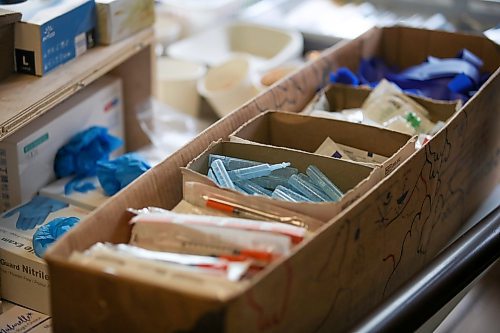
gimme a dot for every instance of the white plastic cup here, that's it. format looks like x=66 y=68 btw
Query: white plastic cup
x=177 y=80
x=228 y=86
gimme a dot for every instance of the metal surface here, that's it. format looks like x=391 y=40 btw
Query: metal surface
x=450 y=272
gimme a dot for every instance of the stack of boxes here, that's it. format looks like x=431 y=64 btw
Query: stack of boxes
x=27 y=159
x=37 y=37
x=52 y=33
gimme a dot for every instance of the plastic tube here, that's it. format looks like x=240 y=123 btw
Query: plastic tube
x=211 y=175
x=297 y=197
x=270 y=182
x=319 y=179
x=301 y=184
x=233 y=163
x=280 y=195
x=221 y=175
x=256 y=171
x=252 y=188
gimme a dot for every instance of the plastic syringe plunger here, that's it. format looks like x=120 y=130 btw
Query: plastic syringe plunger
x=256 y=171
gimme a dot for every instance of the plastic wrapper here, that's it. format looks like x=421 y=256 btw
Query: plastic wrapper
x=167 y=129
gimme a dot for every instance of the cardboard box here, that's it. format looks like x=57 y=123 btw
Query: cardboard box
x=306 y=133
x=52 y=33
x=27 y=156
x=89 y=200
x=342 y=96
x=7 y=20
x=18 y=319
x=355 y=261
x=118 y=19
x=353 y=179
x=25 y=278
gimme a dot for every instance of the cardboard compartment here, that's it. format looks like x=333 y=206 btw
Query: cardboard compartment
x=7 y=20
x=306 y=133
x=355 y=261
x=342 y=96
x=352 y=178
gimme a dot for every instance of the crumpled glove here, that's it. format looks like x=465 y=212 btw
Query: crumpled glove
x=115 y=175
x=80 y=155
x=50 y=232
x=35 y=212
x=78 y=184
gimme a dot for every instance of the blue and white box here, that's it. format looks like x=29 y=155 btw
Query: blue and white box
x=27 y=156
x=24 y=276
x=89 y=199
x=52 y=32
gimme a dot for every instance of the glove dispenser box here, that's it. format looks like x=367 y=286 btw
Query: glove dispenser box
x=27 y=156
x=24 y=276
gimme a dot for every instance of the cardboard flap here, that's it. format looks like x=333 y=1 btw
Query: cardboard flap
x=404 y=46
x=8 y=17
x=307 y=133
x=343 y=96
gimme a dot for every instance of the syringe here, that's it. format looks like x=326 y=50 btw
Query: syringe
x=256 y=171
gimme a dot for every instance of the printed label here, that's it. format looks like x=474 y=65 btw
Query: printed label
x=362 y=155
x=331 y=149
x=35 y=143
x=20 y=320
x=4 y=182
x=80 y=44
x=25 y=61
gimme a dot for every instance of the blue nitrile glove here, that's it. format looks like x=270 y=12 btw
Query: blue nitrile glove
x=344 y=76
x=50 y=232
x=444 y=79
x=79 y=185
x=35 y=211
x=80 y=155
x=115 y=175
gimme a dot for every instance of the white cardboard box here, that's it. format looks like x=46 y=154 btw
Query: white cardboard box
x=24 y=276
x=118 y=19
x=18 y=319
x=88 y=200
x=27 y=156
x=51 y=33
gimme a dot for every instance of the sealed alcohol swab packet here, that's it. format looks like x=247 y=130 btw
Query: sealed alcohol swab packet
x=331 y=149
x=387 y=102
x=337 y=150
x=210 y=240
x=113 y=260
x=296 y=234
